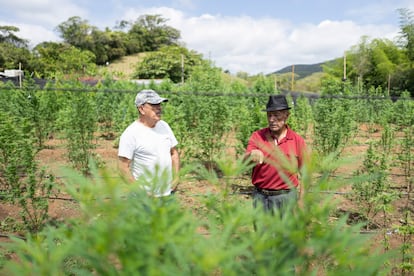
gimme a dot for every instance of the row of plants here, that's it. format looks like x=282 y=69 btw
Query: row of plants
x=204 y=123
x=121 y=231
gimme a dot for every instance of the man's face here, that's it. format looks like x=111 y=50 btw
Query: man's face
x=151 y=111
x=277 y=119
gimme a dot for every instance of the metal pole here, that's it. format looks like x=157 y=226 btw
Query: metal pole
x=182 y=69
x=344 y=78
x=20 y=74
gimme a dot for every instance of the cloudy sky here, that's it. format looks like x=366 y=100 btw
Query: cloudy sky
x=253 y=36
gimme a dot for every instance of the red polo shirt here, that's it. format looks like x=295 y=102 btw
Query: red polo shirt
x=272 y=174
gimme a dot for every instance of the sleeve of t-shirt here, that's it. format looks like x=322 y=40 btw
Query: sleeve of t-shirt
x=126 y=145
x=173 y=139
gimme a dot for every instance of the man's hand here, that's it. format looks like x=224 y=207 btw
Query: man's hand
x=175 y=183
x=257 y=156
x=123 y=166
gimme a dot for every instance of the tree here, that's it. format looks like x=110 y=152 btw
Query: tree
x=148 y=33
x=13 y=49
x=152 y=33
x=173 y=62
x=387 y=59
x=76 y=31
x=11 y=57
x=375 y=63
x=407 y=41
x=108 y=45
x=7 y=36
x=359 y=56
x=407 y=32
x=52 y=58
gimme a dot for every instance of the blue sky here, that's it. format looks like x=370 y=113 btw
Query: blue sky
x=237 y=35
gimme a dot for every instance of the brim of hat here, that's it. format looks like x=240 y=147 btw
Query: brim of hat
x=158 y=101
x=275 y=109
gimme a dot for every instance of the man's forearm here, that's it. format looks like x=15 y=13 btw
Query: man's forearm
x=123 y=165
x=175 y=158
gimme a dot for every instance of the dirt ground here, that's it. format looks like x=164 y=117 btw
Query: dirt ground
x=62 y=207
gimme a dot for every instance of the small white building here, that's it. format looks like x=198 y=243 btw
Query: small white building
x=147 y=81
x=12 y=73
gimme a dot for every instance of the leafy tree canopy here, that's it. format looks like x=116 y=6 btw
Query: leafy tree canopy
x=53 y=58
x=407 y=32
x=147 y=33
x=172 y=62
x=375 y=63
x=13 y=49
x=7 y=36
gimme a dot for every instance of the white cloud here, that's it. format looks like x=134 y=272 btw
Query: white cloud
x=266 y=45
x=243 y=43
x=34 y=33
x=44 y=12
x=329 y=39
x=37 y=19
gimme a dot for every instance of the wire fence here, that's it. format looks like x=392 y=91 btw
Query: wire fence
x=294 y=94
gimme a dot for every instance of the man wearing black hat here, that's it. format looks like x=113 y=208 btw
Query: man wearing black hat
x=278 y=154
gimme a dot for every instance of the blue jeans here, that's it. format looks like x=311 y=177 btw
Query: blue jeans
x=276 y=202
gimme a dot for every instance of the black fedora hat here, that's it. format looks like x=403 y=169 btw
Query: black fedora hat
x=276 y=102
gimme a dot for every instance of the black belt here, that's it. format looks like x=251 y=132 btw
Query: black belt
x=272 y=192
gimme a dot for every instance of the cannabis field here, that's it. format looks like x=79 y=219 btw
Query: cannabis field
x=65 y=210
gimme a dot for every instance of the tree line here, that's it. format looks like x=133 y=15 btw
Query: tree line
x=84 y=46
x=371 y=63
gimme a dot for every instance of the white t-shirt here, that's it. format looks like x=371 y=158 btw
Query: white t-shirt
x=150 y=152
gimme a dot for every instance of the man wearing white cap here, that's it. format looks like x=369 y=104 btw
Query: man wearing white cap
x=147 y=148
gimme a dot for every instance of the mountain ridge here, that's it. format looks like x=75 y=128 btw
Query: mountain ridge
x=303 y=70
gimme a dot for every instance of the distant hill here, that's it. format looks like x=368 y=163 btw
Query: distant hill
x=303 y=70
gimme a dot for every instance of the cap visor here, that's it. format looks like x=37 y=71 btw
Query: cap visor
x=158 y=101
